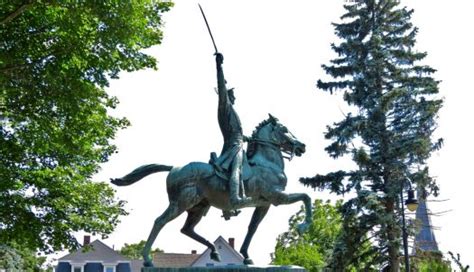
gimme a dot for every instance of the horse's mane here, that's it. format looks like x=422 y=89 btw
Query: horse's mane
x=251 y=146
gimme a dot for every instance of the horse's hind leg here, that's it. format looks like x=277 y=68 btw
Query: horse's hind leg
x=170 y=213
x=257 y=217
x=195 y=215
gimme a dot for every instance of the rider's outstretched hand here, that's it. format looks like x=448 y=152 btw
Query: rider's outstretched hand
x=219 y=58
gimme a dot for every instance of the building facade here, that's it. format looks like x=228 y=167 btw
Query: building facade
x=98 y=257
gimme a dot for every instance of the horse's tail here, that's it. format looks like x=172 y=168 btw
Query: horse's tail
x=140 y=173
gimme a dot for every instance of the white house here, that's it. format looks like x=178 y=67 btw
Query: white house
x=229 y=256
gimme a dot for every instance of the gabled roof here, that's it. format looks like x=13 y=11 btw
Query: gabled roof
x=174 y=260
x=223 y=247
x=425 y=239
x=98 y=252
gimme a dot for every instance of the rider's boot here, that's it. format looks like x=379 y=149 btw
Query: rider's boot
x=235 y=199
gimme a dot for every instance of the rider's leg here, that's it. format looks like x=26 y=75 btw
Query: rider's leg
x=235 y=180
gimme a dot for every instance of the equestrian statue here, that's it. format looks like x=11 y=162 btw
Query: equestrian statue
x=236 y=179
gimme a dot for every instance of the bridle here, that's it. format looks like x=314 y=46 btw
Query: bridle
x=273 y=144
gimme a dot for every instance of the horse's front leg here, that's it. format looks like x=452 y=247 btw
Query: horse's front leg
x=278 y=198
x=257 y=217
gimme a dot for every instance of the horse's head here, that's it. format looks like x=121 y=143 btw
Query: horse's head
x=272 y=132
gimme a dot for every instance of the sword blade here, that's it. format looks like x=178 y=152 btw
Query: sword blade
x=208 y=28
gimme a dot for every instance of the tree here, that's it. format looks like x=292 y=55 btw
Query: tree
x=10 y=260
x=313 y=249
x=21 y=259
x=56 y=58
x=429 y=261
x=134 y=251
x=389 y=131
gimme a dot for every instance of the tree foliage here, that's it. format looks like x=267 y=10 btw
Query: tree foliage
x=17 y=258
x=389 y=132
x=313 y=250
x=134 y=251
x=429 y=262
x=10 y=260
x=56 y=58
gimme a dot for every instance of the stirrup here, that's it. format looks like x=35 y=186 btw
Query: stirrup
x=228 y=214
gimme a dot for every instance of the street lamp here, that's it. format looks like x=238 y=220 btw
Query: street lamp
x=411 y=202
x=412 y=205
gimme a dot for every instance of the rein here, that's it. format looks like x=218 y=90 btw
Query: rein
x=273 y=145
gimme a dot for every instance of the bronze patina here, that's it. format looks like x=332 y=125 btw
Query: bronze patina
x=236 y=179
x=197 y=186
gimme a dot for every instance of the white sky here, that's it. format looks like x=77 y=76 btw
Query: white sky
x=273 y=51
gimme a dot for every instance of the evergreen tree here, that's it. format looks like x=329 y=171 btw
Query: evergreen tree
x=388 y=135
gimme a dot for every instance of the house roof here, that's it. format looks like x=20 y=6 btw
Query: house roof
x=161 y=259
x=98 y=252
x=220 y=242
x=175 y=260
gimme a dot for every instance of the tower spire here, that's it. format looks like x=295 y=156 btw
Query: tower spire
x=425 y=239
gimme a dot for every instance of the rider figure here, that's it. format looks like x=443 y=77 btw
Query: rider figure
x=232 y=153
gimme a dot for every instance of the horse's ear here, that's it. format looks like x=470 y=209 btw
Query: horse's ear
x=272 y=118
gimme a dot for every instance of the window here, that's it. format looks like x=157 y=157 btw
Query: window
x=77 y=268
x=209 y=264
x=109 y=268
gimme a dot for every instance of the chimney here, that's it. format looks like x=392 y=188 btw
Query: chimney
x=87 y=240
x=193 y=251
x=232 y=242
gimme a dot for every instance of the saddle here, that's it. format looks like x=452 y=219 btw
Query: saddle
x=224 y=174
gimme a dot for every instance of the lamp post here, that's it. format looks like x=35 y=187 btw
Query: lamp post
x=412 y=205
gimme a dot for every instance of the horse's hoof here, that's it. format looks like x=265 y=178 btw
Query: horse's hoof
x=148 y=264
x=216 y=256
x=248 y=261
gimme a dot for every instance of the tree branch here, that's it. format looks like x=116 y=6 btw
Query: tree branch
x=12 y=68
x=17 y=12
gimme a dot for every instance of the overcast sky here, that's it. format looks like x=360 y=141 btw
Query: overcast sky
x=273 y=54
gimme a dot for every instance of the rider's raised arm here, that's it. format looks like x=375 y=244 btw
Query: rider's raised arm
x=220 y=79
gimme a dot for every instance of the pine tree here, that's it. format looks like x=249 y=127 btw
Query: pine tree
x=389 y=134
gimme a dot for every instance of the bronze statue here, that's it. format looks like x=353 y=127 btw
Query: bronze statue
x=232 y=154
x=233 y=181
x=196 y=186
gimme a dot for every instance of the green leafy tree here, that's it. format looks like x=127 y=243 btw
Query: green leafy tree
x=134 y=251
x=428 y=261
x=10 y=260
x=389 y=131
x=313 y=249
x=21 y=259
x=56 y=58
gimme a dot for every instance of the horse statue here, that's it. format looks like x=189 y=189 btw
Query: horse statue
x=197 y=186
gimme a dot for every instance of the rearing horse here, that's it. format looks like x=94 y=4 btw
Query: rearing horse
x=196 y=186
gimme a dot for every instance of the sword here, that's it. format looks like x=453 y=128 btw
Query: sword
x=208 y=28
